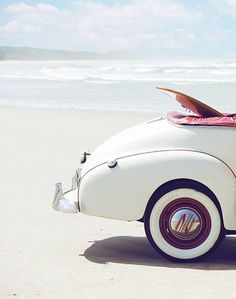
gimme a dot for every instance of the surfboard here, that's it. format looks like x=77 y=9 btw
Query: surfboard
x=194 y=105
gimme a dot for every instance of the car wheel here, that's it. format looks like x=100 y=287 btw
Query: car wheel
x=183 y=224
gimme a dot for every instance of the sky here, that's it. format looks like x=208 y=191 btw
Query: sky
x=184 y=28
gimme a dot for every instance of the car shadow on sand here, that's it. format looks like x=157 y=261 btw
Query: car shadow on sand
x=138 y=251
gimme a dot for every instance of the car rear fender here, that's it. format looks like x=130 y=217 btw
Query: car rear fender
x=124 y=191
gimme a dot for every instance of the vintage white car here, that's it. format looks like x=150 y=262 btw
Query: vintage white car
x=175 y=173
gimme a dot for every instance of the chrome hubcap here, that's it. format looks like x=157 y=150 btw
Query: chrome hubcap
x=185 y=223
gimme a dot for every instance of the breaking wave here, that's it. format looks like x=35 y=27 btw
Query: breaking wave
x=108 y=72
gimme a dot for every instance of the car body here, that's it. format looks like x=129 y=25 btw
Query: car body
x=177 y=174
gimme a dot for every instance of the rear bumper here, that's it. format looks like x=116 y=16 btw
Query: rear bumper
x=68 y=201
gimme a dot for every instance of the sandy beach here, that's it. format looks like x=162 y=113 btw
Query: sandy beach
x=47 y=254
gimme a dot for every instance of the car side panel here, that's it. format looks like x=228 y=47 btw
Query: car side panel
x=124 y=191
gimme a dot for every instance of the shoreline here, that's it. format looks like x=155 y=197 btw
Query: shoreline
x=80 y=110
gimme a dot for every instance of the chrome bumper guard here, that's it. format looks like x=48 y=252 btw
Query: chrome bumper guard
x=67 y=201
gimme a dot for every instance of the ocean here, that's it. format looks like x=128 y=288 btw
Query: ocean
x=121 y=85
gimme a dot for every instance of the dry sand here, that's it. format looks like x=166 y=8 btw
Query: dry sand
x=48 y=254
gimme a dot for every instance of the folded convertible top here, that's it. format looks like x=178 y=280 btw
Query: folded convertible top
x=227 y=120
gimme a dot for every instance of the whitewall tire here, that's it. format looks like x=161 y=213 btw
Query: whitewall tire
x=183 y=224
